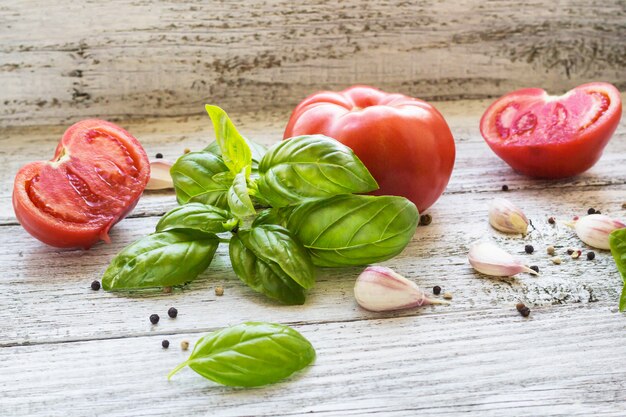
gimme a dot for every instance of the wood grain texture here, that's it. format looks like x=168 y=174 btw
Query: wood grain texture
x=64 y=60
x=561 y=362
x=66 y=350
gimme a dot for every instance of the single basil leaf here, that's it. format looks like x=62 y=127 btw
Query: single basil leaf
x=260 y=276
x=201 y=177
x=257 y=150
x=617 y=242
x=239 y=200
x=197 y=216
x=351 y=230
x=234 y=148
x=250 y=354
x=161 y=259
x=277 y=216
x=276 y=246
x=307 y=168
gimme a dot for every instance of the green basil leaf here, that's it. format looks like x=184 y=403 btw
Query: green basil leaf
x=234 y=148
x=270 y=261
x=277 y=216
x=201 y=177
x=197 y=216
x=238 y=198
x=257 y=150
x=307 y=168
x=617 y=242
x=351 y=230
x=161 y=259
x=250 y=354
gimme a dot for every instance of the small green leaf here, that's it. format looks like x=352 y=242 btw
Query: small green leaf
x=201 y=177
x=352 y=230
x=277 y=216
x=238 y=198
x=161 y=259
x=307 y=168
x=257 y=150
x=250 y=354
x=234 y=149
x=197 y=216
x=617 y=242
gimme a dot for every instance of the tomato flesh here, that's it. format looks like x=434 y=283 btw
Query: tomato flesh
x=552 y=137
x=95 y=178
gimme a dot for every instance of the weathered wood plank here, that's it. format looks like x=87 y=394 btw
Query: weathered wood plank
x=477 y=169
x=561 y=361
x=135 y=58
x=45 y=295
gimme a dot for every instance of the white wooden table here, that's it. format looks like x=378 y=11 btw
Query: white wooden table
x=68 y=350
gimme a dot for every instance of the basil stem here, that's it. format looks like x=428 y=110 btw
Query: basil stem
x=617 y=242
x=161 y=259
x=351 y=230
x=307 y=168
x=197 y=216
x=249 y=354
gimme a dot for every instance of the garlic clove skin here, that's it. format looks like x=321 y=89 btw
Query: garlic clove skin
x=595 y=229
x=489 y=259
x=507 y=217
x=379 y=288
x=160 y=178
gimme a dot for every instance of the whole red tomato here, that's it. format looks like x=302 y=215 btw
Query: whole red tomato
x=552 y=136
x=404 y=142
x=95 y=178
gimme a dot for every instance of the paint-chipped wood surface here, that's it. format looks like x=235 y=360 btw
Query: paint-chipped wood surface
x=117 y=59
x=66 y=350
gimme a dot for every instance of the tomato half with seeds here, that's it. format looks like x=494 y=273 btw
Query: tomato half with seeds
x=95 y=179
x=547 y=136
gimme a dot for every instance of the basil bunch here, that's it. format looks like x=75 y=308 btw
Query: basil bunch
x=288 y=209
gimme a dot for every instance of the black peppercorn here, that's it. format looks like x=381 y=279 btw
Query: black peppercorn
x=525 y=312
x=520 y=306
x=95 y=285
x=159 y=155
x=505 y=187
x=551 y=220
x=591 y=255
x=154 y=318
x=529 y=248
x=172 y=312
x=570 y=251
x=165 y=344
x=598 y=212
x=535 y=268
x=425 y=219
x=436 y=290
x=591 y=210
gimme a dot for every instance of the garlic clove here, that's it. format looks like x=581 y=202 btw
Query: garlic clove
x=595 y=229
x=379 y=288
x=160 y=178
x=507 y=217
x=489 y=259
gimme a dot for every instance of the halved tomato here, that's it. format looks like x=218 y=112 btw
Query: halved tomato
x=96 y=177
x=552 y=136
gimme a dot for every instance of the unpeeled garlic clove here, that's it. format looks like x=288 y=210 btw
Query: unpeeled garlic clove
x=489 y=259
x=160 y=178
x=379 y=288
x=595 y=229
x=507 y=217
